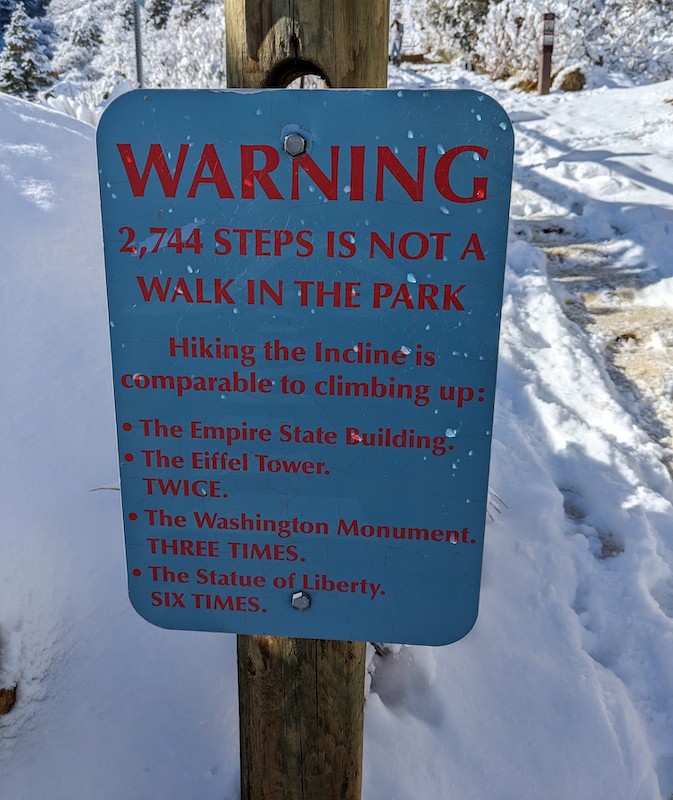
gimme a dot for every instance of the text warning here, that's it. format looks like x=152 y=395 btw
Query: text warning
x=304 y=291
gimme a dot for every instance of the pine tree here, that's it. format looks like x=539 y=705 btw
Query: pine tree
x=6 y=9
x=115 y=59
x=35 y=8
x=186 y=54
x=23 y=65
x=456 y=25
x=189 y=10
x=76 y=46
x=509 y=40
x=159 y=11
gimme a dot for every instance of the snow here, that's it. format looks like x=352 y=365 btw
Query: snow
x=564 y=688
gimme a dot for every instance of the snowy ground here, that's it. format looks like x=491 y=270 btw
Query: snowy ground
x=564 y=689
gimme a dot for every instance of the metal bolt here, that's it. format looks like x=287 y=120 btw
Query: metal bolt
x=294 y=144
x=301 y=601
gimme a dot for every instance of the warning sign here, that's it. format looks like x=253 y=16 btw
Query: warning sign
x=304 y=291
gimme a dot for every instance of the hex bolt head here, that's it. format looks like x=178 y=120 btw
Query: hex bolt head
x=294 y=144
x=301 y=601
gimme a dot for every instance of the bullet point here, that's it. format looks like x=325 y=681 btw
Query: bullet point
x=128 y=457
x=127 y=426
x=137 y=573
x=133 y=516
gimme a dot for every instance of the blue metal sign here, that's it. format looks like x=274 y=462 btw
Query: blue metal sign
x=304 y=291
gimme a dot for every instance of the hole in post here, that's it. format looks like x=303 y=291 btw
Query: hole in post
x=296 y=73
x=308 y=82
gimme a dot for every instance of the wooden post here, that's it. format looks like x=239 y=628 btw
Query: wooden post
x=301 y=701
x=301 y=706
x=272 y=42
x=546 y=49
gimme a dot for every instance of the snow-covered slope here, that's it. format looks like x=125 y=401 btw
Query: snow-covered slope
x=564 y=689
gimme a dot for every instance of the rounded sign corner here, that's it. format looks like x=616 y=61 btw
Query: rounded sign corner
x=142 y=611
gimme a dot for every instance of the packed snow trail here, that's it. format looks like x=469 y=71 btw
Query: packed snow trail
x=610 y=495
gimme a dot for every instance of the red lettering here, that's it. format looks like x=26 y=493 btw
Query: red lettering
x=443 y=175
x=182 y=290
x=386 y=159
x=155 y=158
x=210 y=159
x=304 y=242
x=376 y=240
x=328 y=186
x=426 y=296
x=221 y=240
x=215 y=602
x=184 y=547
x=249 y=174
x=169 y=599
x=473 y=246
x=258 y=162
x=402 y=296
x=381 y=292
x=422 y=249
x=281 y=238
x=262 y=241
x=270 y=552
x=155 y=287
x=357 y=172
x=451 y=298
x=183 y=487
